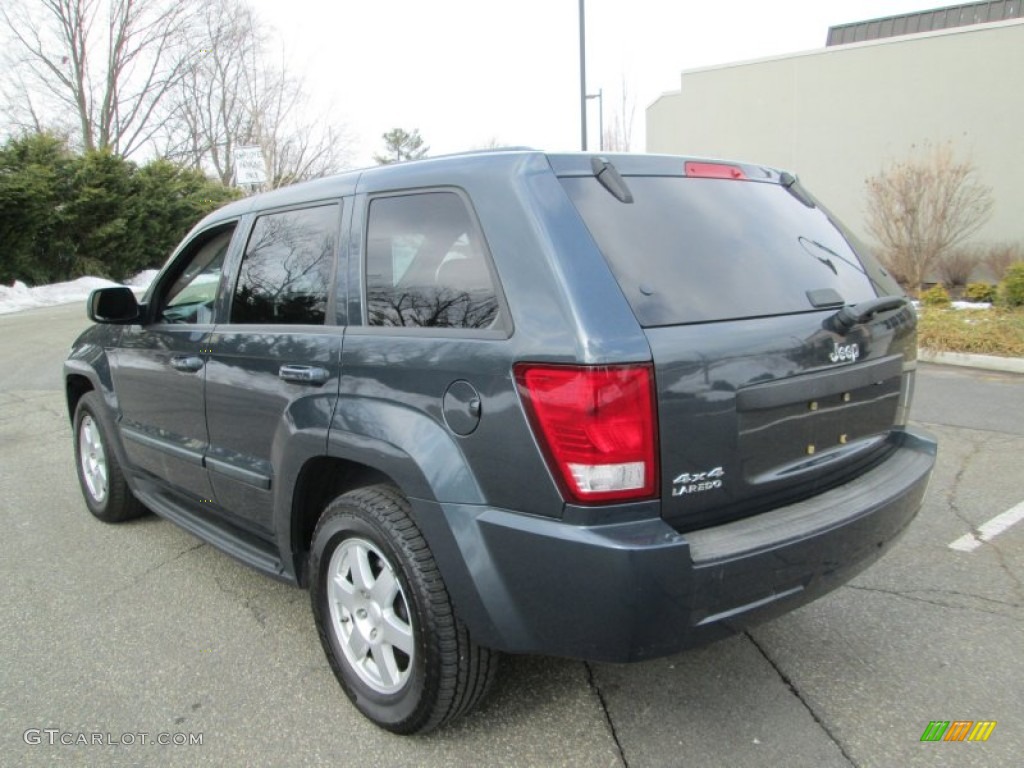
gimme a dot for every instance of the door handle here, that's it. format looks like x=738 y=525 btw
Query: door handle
x=304 y=374
x=186 y=363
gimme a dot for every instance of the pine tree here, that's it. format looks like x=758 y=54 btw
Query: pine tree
x=401 y=145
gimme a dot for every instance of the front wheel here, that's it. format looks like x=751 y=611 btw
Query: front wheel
x=385 y=619
x=103 y=483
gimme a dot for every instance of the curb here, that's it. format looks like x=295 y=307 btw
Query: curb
x=985 y=362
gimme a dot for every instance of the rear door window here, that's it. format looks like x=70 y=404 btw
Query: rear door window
x=691 y=250
x=287 y=267
x=426 y=264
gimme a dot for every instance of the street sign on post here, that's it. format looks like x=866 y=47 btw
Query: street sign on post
x=249 y=167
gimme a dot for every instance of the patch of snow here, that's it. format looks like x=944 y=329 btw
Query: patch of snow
x=142 y=280
x=14 y=298
x=960 y=305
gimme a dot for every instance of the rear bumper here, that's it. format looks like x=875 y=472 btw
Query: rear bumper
x=638 y=590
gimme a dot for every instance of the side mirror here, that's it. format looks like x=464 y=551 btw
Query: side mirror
x=116 y=305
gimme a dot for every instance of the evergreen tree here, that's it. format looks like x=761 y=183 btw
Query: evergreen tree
x=401 y=145
x=64 y=215
x=36 y=179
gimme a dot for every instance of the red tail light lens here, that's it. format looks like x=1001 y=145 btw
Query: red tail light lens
x=713 y=170
x=597 y=426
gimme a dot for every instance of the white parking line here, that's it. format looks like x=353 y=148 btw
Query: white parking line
x=970 y=542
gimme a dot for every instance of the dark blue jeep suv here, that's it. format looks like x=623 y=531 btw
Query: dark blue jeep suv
x=599 y=406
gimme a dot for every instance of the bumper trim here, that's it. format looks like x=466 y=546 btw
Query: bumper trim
x=740 y=609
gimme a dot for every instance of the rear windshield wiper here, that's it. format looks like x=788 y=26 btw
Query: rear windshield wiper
x=608 y=175
x=847 y=317
x=792 y=185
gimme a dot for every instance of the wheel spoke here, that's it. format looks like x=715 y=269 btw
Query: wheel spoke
x=358 y=645
x=384 y=589
x=362 y=573
x=397 y=633
x=344 y=593
x=386 y=664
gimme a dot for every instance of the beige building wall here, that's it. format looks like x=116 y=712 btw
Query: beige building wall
x=839 y=115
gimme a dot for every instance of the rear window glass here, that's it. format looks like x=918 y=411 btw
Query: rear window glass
x=700 y=250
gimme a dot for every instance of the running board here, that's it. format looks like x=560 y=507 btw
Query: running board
x=245 y=547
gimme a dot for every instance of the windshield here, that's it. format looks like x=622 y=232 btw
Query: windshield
x=693 y=250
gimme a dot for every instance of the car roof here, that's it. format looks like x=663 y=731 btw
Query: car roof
x=418 y=172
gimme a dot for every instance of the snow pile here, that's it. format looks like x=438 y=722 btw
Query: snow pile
x=14 y=298
x=142 y=280
x=959 y=305
x=20 y=296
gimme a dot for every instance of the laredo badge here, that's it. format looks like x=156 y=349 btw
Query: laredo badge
x=698 y=482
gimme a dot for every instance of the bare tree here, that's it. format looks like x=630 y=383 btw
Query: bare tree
x=104 y=68
x=1001 y=256
x=235 y=94
x=957 y=265
x=921 y=208
x=618 y=133
x=492 y=143
x=297 y=142
x=206 y=116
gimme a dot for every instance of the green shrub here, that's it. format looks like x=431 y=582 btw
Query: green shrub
x=1011 y=290
x=936 y=296
x=980 y=292
x=63 y=214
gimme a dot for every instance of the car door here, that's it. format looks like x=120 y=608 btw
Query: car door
x=272 y=375
x=159 y=369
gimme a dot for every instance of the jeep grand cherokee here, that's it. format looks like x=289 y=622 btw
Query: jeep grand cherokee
x=604 y=407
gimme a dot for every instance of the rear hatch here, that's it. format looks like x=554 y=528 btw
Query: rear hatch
x=779 y=371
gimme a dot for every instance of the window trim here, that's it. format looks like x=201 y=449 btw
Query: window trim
x=505 y=326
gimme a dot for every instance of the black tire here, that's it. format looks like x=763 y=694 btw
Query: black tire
x=106 y=494
x=446 y=674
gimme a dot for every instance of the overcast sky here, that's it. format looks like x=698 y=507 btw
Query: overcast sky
x=468 y=72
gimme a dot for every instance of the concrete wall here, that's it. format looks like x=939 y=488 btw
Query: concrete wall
x=839 y=115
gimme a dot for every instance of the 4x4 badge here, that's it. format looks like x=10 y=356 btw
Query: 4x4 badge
x=842 y=353
x=698 y=482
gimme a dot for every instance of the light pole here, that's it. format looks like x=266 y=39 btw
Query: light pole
x=600 y=117
x=583 y=78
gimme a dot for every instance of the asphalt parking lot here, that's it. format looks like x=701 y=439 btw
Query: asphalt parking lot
x=121 y=631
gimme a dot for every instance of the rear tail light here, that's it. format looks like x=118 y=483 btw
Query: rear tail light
x=597 y=427
x=713 y=170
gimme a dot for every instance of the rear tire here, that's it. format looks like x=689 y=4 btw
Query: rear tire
x=103 y=483
x=385 y=618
